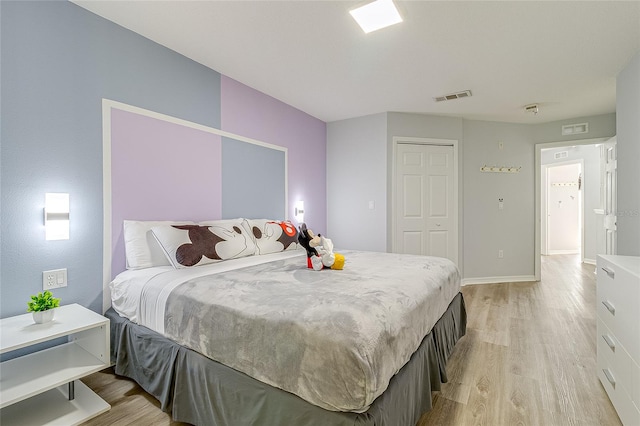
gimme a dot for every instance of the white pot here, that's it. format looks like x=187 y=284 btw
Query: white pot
x=41 y=317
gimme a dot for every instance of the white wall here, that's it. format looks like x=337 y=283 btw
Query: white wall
x=590 y=154
x=356 y=176
x=628 y=137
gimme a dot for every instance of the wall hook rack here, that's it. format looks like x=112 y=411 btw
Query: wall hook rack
x=500 y=169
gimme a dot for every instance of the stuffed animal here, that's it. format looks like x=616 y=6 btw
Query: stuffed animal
x=319 y=250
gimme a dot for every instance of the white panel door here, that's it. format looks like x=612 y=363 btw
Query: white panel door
x=424 y=205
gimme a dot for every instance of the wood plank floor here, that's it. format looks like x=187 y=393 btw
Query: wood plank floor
x=529 y=358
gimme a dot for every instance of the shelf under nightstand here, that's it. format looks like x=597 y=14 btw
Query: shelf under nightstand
x=34 y=387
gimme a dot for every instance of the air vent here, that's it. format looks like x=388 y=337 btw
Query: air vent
x=452 y=96
x=574 y=129
x=561 y=154
x=533 y=108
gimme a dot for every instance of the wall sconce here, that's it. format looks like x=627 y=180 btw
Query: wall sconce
x=56 y=216
x=299 y=211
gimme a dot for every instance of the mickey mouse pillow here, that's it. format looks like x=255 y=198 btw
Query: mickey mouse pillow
x=195 y=245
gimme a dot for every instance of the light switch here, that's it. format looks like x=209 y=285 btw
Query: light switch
x=500 y=203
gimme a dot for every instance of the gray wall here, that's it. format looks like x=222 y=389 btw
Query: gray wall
x=58 y=62
x=356 y=175
x=628 y=124
x=488 y=229
x=483 y=228
x=600 y=126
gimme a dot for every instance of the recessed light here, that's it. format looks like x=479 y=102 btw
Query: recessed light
x=376 y=15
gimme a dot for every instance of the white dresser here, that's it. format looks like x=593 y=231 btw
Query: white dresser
x=618 y=309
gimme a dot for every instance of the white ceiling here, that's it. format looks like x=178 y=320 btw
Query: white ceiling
x=311 y=54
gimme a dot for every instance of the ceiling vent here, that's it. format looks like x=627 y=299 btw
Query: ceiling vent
x=452 y=96
x=561 y=154
x=533 y=108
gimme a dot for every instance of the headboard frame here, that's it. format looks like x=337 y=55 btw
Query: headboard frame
x=158 y=167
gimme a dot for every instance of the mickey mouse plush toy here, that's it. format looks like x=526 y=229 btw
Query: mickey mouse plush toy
x=319 y=250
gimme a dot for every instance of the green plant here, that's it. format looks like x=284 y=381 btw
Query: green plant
x=43 y=302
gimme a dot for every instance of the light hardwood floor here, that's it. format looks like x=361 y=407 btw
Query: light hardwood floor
x=529 y=358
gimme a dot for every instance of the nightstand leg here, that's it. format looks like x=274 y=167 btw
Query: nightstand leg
x=72 y=390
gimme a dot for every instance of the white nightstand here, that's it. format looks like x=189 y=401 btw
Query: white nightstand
x=35 y=388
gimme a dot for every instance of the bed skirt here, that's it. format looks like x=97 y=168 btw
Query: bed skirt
x=200 y=391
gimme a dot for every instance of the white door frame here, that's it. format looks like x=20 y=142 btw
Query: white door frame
x=545 y=176
x=537 y=180
x=396 y=140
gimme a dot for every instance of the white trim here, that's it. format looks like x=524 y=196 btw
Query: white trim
x=589 y=261
x=106 y=205
x=152 y=114
x=107 y=105
x=537 y=179
x=552 y=252
x=396 y=140
x=499 y=280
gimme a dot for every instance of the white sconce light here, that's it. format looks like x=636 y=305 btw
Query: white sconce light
x=299 y=211
x=56 y=216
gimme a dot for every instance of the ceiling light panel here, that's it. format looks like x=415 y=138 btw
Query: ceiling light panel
x=376 y=15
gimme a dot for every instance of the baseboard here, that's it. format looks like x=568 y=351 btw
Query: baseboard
x=589 y=261
x=552 y=252
x=496 y=280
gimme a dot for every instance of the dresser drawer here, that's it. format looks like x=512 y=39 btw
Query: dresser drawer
x=621 y=400
x=613 y=357
x=618 y=302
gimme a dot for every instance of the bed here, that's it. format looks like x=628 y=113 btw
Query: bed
x=256 y=337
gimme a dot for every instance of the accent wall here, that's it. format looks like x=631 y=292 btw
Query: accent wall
x=58 y=62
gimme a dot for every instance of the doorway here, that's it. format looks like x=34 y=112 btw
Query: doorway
x=425 y=197
x=563 y=209
x=590 y=188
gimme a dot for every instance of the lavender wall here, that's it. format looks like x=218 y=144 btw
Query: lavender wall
x=250 y=113
x=151 y=164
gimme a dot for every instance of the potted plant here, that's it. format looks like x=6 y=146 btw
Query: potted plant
x=42 y=306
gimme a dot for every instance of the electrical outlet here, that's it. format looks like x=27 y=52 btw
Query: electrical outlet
x=54 y=278
x=500 y=254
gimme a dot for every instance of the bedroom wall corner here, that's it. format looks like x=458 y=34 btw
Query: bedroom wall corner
x=251 y=113
x=628 y=137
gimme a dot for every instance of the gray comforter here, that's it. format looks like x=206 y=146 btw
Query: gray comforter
x=334 y=338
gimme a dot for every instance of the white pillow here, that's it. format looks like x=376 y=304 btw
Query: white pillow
x=141 y=248
x=273 y=236
x=204 y=243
